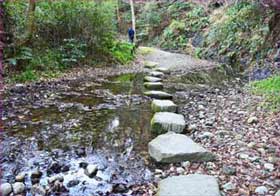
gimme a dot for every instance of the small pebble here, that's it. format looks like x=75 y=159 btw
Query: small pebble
x=261 y=190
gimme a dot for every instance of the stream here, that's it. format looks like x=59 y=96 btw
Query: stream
x=58 y=127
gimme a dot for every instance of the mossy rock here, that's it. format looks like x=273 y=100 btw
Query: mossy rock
x=158 y=95
x=150 y=64
x=152 y=79
x=163 y=106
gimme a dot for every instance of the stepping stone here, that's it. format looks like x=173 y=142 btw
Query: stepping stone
x=156 y=74
x=173 y=148
x=158 y=94
x=152 y=79
x=150 y=64
x=162 y=69
x=163 y=106
x=153 y=85
x=163 y=122
x=189 y=185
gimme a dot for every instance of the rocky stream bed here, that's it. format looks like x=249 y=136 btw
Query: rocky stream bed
x=89 y=135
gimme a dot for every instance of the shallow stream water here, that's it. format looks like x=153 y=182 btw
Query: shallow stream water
x=103 y=122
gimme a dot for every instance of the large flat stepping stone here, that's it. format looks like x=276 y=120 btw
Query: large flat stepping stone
x=153 y=85
x=156 y=74
x=163 y=106
x=163 y=122
x=158 y=94
x=189 y=185
x=173 y=148
x=150 y=64
x=162 y=69
x=152 y=79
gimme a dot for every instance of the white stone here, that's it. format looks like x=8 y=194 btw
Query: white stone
x=252 y=120
x=91 y=170
x=229 y=186
x=189 y=185
x=163 y=106
x=162 y=69
x=269 y=166
x=153 y=85
x=152 y=79
x=18 y=188
x=261 y=190
x=5 y=189
x=158 y=94
x=163 y=122
x=172 y=148
x=277 y=193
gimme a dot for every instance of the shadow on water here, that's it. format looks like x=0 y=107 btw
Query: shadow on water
x=73 y=129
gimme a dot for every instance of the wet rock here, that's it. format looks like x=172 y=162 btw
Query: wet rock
x=38 y=190
x=172 y=148
x=73 y=183
x=91 y=170
x=119 y=188
x=189 y=185
x=152 y=79
x=5 y=189
x=180 y=170
x=192 y=127
x=36 y=174
x=20 y=177
x=150 y=64
x=58 y=187
x=269 y=167
x=52 y=179
x=83 y=165
x=186 y=164
x=156 y=74
x=229 y=186
x=54 y=167
x=158 y=95
x=262 y=190
x=252 y=120
x=18 y=188
x=166 y=121
x=65 y=168
x=163 y=106
x=153 y=85
x=228 y=170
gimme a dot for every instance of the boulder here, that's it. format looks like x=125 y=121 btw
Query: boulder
x=91 y=170
x=5 y=189
x=18 y=188
x=150 y=64
x=152 y=79
x=156 y=74
x=163 y=106
x=158 y=94
x=153 y=85
x=163 y=122
x=173 y=148
x=189 y=185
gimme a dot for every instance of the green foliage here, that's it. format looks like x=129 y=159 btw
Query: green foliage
x=196 y=19
x=241 y=28
x=176 y=9
x=122 y=52
x=173 y=36
x=270 y=89
x=66 y=33
x=27 y=75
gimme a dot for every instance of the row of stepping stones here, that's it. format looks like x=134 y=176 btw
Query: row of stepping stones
x=170 y=146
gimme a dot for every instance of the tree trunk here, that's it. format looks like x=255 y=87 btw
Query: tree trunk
x=2 y=33
x=133 y=18
x=118 y=15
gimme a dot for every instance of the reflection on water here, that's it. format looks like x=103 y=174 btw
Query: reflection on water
x=115 y=139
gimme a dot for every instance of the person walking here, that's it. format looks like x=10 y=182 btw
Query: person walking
x=131 y=34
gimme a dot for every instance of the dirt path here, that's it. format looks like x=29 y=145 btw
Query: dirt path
x=176 y=61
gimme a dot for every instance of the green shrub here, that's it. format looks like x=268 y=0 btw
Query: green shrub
x=270 y=89
x=122 y=52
